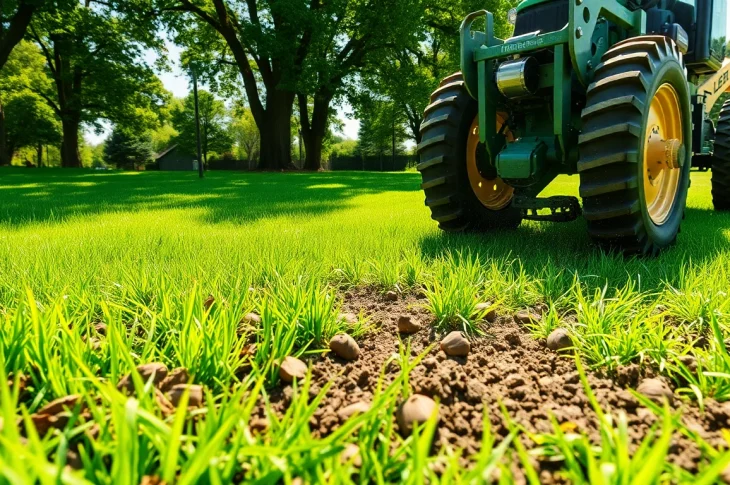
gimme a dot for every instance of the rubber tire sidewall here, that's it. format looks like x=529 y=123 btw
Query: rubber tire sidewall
x=664 y=235
x=508 y=217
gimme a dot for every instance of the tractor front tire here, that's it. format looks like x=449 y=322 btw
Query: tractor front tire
x=635 y=146
x=450 y=174
x=721 y=161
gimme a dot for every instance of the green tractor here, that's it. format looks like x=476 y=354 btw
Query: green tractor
x=617 y=91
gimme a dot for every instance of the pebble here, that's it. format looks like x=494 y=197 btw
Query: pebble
x=195 y=396
x=524 y=317
x=351 y=453
x=417 y=409
x=408 y=324
x=177 y=376
x=61 y=404
x=345 y=347
x=455 y=344
x=156 y=369
x=558 y=340
x=491 y=315
x=391 y=296
x=251 y=318
x=689 y=362
x=656 y=390
x=355 y=408
x=292 y=368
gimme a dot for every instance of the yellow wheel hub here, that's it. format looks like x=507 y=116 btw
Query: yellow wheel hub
x=664 y=154
x=493 y=193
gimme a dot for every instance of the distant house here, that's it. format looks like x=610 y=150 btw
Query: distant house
x=175 y=159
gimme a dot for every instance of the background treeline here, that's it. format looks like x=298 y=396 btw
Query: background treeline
x=277 y=72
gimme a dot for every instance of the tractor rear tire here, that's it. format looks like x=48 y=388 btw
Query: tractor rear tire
x=635 y=147
x=721 y=161
x=446 y=128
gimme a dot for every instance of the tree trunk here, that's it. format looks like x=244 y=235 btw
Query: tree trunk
x=4 y=155
x=16 y=30
x=314 y=132
x=70 y=156
x=276 y=131
x=40 y=155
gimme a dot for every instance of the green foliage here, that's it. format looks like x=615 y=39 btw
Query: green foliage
x=162 y=137
x=214 y=133
x=29 y=122
x=125 y=149
x=245 y=135
x=381 y=126
x=92 y=50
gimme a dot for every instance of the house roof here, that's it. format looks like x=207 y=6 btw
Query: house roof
x=165 y=152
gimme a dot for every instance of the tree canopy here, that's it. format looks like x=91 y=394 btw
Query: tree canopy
x=214 y=133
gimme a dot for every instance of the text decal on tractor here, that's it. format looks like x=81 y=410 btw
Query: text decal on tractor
x=616 y=91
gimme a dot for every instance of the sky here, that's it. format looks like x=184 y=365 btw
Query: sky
x=178 y=83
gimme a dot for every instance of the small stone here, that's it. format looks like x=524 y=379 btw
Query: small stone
x=46 y=422
x=523 y=317
x=417 y=409
x=292 y=368
x=146 y=371
x=455 y=345
x=656 y=390
x=61 y=404
x=391 y=296
x=208 y=302
x=195 y=396
x=345 y=347
x=73 y=460
x=259 y=425
x=491 y=315
x=177 y=376
x=349 y=318
x=355 y=408
x=558 y=340
x=408 y=324
x=251 y=319
x=351 y=453
x=689 y=361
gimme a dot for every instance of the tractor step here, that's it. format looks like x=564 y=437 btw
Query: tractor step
x=563 y=208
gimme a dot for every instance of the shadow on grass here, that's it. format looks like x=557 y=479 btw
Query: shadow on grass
x=549 y=248
x=33 y=195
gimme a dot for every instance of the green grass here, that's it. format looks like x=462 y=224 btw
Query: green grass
x=142 y=251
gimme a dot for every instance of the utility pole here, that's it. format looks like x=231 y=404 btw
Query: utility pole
x=197 y=121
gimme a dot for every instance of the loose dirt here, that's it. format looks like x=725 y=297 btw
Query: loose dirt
x=506 y=365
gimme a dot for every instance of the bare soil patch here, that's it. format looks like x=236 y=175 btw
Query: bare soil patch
x=506 y=365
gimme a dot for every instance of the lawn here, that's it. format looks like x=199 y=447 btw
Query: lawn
x=101 y=272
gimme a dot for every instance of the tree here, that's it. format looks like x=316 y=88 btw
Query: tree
x=347 y=37
x=410 y=72
x=25 y=120
x=246 y=135
x=214 y=134
x=15 y=16
x=265 y=41
x=94 y=54
x=382 y=130
x=29 y=123
x=126 y=148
